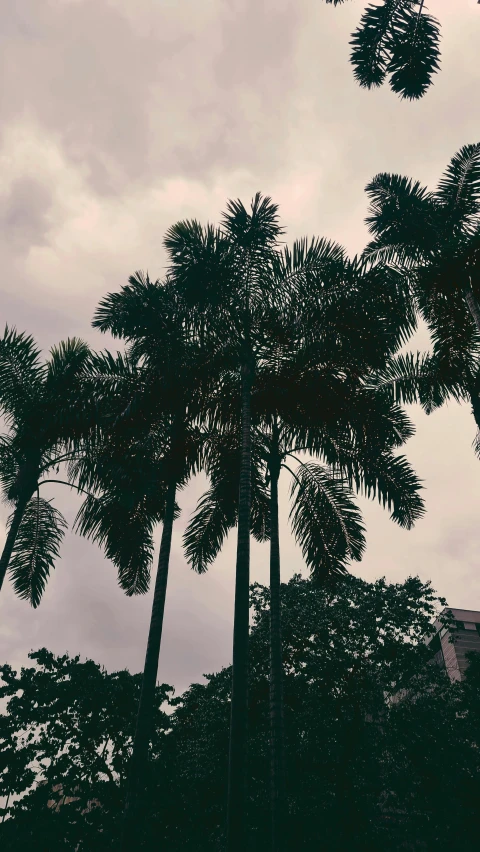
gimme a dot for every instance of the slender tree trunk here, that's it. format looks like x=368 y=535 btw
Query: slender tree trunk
x=473 y=307
x=277 y=766
x=11 y=536
x=237 y=764
x=143 y=729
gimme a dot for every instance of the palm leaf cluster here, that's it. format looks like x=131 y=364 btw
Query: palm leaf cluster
x=43 y=422
x=398 y=40
x=433 y=238
x=36 y=547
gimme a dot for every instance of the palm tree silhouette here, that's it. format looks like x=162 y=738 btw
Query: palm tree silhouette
x=307 y=397
x=399 y=40
x=236 y=278
x=39 y=401
x=433 y=237
x=147 y=457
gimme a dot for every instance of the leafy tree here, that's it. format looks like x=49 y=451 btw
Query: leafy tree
x=65 y=740
x=399 y=40
x=346 y=648
x=433 y=746
x=372 y=775
x=39 y=402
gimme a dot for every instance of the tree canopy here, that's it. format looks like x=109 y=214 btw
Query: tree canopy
x=363 y=770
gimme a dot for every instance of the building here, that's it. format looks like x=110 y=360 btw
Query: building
x=450 y=646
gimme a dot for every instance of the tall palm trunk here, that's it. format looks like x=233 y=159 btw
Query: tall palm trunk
x=237 y=764
x=12 y=535
x=277 y=755
x=143 y=729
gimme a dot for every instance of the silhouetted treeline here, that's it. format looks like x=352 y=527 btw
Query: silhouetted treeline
x=365 y=770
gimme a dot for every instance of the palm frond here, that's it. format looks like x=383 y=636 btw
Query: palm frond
x=112 y=372
x=71 y=411
x=201 y=264
x=376 y=420
x=402 y=212
x=124 y=312
x=416 y=378
x=123 y=526
x=385 y=306
x=36 y=548
x=317 y=262
x=476 y=444
x=217 y=510
x=254 y=230
x=396 y=38
x=413 y=43
x=441 y=304
x=370 y=55
x=21 y=375
x=66 y=361
x=391 y=254
x=108 y=389
x=9 y=466
x=215 y=515
x=459 y=188
x=392 y=481
x=151 y=316
x=325 y=520
x=260 y=508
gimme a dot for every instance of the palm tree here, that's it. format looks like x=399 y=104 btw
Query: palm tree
x=149 y=454
x=236 y=279
x=39 y=403
x=122 y=470
x=224 y=275
x=352 y=432
x=434 y=238
x=325 y=520
x=398 y=39
x=303 y=405
x=243 y=286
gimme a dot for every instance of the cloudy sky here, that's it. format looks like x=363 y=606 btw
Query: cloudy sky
x=119 y=117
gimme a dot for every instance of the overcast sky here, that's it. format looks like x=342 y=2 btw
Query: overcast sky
x=119 y=117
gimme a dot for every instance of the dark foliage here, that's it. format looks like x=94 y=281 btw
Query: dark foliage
x=363 y=772
x=433 y=239
x=399 y=40
x=44 y=413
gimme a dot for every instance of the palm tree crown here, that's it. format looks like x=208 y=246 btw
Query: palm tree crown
x=433 y=237
x=39 y=401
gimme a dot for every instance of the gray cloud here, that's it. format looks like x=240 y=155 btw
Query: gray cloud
x=24 y=215
x=120 y=118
